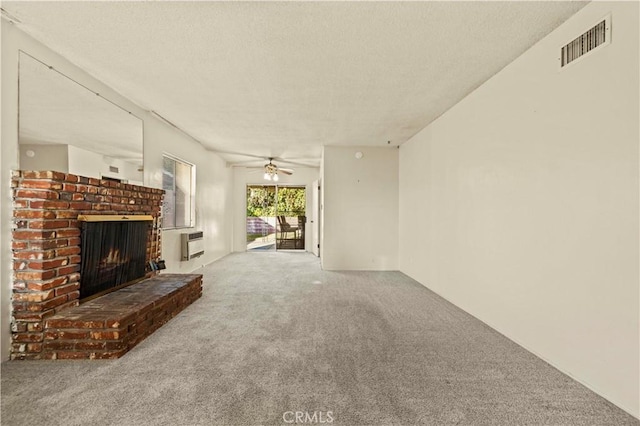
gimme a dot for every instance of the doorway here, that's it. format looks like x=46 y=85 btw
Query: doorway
x=276 y=217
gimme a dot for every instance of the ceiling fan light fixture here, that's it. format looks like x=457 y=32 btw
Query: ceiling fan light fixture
x=271 y=171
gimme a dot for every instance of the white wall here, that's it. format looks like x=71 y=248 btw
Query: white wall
x=214 y=195
x=77 y=161
x=9 y=161
x=91 y=164
x=45 y=157
x=243 y=176
x=520 y=205
x=213 y=182
x=360 y=209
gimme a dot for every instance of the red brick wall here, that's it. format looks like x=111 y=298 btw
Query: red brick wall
x=46 y=243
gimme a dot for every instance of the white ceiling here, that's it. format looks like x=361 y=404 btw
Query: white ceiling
x=283 y=79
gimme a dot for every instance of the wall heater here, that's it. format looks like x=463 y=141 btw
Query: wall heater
x=192 y=245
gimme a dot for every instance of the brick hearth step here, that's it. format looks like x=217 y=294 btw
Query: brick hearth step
x=110 y=325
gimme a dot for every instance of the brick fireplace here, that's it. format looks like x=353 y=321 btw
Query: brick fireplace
x=46 y=245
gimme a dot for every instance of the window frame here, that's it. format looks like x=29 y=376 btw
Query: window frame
x=192 y=192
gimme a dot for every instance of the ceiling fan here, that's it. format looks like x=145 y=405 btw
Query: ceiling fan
x=271 y=171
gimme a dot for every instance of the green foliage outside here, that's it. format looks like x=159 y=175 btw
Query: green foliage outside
x=260 y=201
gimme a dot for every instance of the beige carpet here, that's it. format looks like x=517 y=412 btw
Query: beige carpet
x=274 y=335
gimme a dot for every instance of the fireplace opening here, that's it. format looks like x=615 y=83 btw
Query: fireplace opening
x=113 y=253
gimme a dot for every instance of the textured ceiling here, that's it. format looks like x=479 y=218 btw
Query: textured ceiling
x=284 y=78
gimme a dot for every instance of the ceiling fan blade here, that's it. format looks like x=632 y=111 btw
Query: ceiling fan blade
x=241 y=154
x=249 y=163
x=285 y=171
x=294 y=162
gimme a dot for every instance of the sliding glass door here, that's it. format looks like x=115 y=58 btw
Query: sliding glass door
x=275 y=217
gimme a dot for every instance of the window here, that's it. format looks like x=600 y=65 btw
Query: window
x=178 y=182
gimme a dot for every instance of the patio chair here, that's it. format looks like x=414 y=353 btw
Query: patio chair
x=286 y=229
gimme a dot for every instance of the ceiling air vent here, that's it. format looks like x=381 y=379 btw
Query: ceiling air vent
x=598 y=35
x=114 y=169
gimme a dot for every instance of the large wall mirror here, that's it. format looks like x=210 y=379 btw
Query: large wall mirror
x=66 y=127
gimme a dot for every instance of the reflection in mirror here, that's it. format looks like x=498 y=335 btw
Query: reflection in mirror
x=66 y=127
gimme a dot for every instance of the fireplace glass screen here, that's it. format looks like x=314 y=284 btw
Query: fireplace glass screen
x=113 y=254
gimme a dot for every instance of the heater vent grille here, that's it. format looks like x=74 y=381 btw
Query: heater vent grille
x=194 y=235
x=598 y=35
